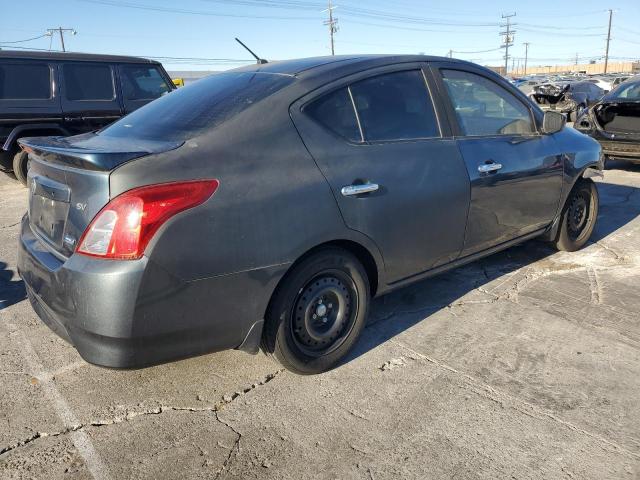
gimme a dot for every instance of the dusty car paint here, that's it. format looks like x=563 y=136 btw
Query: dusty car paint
x=207 y=276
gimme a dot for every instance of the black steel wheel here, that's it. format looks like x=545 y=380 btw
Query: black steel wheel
x=318 y=312
x=324 y=313
x=578 y=217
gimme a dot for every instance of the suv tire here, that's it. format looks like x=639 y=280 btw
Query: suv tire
x=21 y=166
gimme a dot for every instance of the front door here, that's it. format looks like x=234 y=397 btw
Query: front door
x=396 y=174
x=141 y=84
x=515 y=171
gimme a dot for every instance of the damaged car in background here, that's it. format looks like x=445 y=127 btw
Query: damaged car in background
x=569 y=98
x=615 y=121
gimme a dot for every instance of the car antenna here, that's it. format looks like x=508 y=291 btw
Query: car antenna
x=258 y=59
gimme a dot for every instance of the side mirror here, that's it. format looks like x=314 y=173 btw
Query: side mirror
x=553 y=122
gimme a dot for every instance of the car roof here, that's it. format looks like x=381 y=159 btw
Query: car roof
x=72 y=56
x=312 y=65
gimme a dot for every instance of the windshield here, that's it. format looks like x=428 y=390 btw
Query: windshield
x=626 y=91
x=189 y=111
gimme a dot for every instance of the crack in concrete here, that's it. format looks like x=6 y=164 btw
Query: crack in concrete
x=151 y=411
x=234 y=448
x=517 y=404
x=11 y=225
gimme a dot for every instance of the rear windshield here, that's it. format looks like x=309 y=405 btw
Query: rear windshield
x=626 y=92
x=189 y=111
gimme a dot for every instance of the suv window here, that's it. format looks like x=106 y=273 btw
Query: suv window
x=25 y=81
x=395 y=106
x=335 y=111
x=141 y=82
x=88 y=82
x=189 y=111
x=485 y=108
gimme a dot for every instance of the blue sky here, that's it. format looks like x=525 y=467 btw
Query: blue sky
x=190 y=31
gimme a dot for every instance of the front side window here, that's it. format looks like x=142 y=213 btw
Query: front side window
x=88 y=81
x=25 y=81
x=140 y=82
x=484 y=108
x=395 y=106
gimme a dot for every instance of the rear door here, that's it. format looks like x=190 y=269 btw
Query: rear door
x=515 y=171
x=141 y=84
x=88 y=93
x=395 y=171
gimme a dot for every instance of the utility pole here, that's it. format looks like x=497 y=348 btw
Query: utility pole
x=526 y=55
x=508 y=39
x=333 y=25
x=606 y=54
x=61 y=31
x=450 y=55
x=576 y=59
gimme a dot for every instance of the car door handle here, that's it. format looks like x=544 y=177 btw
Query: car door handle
x=350 y=190
x=489 y=167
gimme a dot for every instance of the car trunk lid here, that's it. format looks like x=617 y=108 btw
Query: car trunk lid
x=69 y=182
x=620 y=120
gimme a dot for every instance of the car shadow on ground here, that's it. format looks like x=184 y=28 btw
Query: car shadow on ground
x=398 y=311
x=11 y=291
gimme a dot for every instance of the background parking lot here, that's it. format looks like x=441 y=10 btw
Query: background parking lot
x=522 y=365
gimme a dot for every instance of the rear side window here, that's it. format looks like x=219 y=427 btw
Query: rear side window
x=335 y=111
x=484 y=108
x=141 y=82
x=25 y=81
x=395 y=106
x=189 y=111
x=88 y=81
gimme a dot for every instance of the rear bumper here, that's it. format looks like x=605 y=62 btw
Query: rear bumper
x=132 y=314
x=622 y=150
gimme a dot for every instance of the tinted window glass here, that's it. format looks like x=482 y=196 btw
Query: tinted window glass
x=626 y=91
x=140 y=82
x=88 y=82
x=395 y=106
x=205 y=104
x=335 y=111
x=484 y=108
x=25 y=81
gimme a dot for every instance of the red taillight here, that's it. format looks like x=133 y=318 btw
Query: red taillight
x=125 y=225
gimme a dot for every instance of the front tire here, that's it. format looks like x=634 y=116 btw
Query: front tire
x=578 y=217
x=317 y=314
x=21 y=166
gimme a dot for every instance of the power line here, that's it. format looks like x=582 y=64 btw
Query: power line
x=28 y=39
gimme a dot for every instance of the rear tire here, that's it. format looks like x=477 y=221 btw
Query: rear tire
x=318 y=312
x=21 y=166
x=578 y=217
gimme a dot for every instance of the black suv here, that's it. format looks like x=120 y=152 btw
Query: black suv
x=52 y=93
